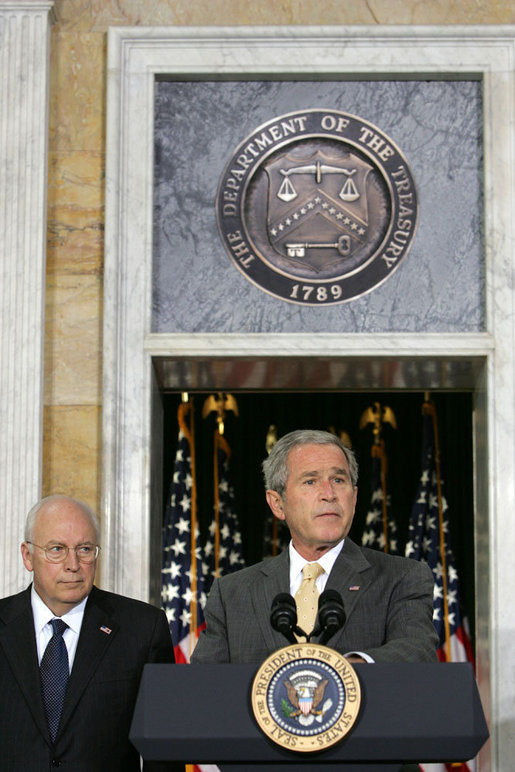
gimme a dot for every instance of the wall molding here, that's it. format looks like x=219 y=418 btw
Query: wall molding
x=24 y=63
x=136 y=56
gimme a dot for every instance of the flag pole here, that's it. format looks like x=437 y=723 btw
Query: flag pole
x=220 y=444
x=271 y=439
x=429 y=409
x=218 y=403
x=379 y=451
x=185 y=408
x=378 y=415
x=216 y=482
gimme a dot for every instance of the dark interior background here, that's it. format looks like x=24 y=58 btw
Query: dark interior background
x=338 y=411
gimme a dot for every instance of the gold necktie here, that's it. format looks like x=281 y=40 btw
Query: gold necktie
x=306 y=597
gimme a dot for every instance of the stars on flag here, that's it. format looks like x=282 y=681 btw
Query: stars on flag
x=188 y=566
x=182 y=586
x=374 y=533
x=428 y=528
x=223 y=552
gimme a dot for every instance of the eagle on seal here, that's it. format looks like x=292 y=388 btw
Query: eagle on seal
x=302 y=701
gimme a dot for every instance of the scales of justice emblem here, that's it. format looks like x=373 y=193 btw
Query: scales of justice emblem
x=318 y=209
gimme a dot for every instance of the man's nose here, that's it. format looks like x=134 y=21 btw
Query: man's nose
x=72 y=561
x=328 y=492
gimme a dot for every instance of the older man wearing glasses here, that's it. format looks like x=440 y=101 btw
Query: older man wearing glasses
x=71 y=655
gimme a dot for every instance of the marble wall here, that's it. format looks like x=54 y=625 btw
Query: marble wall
x=437 y=126
x=73 y=338
x=71 y=458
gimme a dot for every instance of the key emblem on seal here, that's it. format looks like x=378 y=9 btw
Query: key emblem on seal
x=317 y=207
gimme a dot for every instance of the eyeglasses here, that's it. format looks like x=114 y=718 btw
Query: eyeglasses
x=57 y=553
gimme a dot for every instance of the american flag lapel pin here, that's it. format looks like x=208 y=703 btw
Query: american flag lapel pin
x=106 y=630
x=354 y=588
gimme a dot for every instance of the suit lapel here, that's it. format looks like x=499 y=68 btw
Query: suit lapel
x=94 y=642
x=349 y=577
x=276 y=579
x=18 y=641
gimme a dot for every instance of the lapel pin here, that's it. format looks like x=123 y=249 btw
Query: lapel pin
x=354 y=587
x=106 y=630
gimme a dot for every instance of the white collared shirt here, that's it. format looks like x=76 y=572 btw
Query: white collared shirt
x=44 y=631
x=327 y=561
x=297 y=563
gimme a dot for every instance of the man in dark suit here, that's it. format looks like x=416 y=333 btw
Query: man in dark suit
x=107 y=641
x=311 y=482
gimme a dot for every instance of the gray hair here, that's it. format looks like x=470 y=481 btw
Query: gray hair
x=275 y=467
x=35 y=510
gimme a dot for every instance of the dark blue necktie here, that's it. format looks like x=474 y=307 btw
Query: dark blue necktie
x=54 y=672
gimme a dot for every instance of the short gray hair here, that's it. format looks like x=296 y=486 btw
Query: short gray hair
x=35 y=510
x=275 y=467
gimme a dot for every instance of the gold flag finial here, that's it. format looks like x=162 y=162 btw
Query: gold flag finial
x=377 y=415
x=271 y=438
x=220 y=403
x=343 y=436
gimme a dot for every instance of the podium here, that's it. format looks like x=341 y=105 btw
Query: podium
x=409 y=713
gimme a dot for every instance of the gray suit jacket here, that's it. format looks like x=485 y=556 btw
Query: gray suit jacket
x=388 y=602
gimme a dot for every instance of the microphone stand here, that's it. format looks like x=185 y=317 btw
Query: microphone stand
x=316 y=631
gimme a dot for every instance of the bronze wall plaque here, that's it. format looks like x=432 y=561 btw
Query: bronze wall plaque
x=317 y=207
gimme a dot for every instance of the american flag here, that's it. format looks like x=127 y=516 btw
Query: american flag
x=276 y=536
x=223 y=549
x=182 y=584
x=380 y=528
x=429 y=540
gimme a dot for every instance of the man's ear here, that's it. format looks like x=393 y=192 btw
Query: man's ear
x=275 y=503
x=26 y=556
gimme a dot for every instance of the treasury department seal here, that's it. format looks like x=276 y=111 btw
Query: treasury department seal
x=305 y=697
x=317 y=207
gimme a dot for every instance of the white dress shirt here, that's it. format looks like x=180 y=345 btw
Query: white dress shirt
x=327 y=561
x=297 y=563
x=44 y=631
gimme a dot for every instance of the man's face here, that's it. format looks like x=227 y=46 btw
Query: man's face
x=319 y=501
x=60 y=585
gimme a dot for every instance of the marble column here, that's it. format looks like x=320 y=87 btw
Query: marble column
x=24 y=53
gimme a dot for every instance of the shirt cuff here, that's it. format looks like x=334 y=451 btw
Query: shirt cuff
x=366 y=657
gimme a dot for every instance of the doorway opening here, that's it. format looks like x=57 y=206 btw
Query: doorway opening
x=338 y=411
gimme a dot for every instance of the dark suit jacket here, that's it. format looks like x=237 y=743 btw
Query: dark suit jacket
x=388 y=602
x=97 y=713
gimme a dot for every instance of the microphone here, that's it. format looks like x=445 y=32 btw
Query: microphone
x=331 y=615
x=283 y=616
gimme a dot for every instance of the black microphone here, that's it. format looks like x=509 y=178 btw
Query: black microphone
x=331 y=614
x=283 y=616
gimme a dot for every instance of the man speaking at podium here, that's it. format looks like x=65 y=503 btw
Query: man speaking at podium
x=387 y=601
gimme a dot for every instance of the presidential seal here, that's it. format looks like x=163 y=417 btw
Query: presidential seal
x=317 y=207
x=306 y=697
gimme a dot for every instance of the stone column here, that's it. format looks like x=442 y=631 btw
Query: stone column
x=24 y=64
